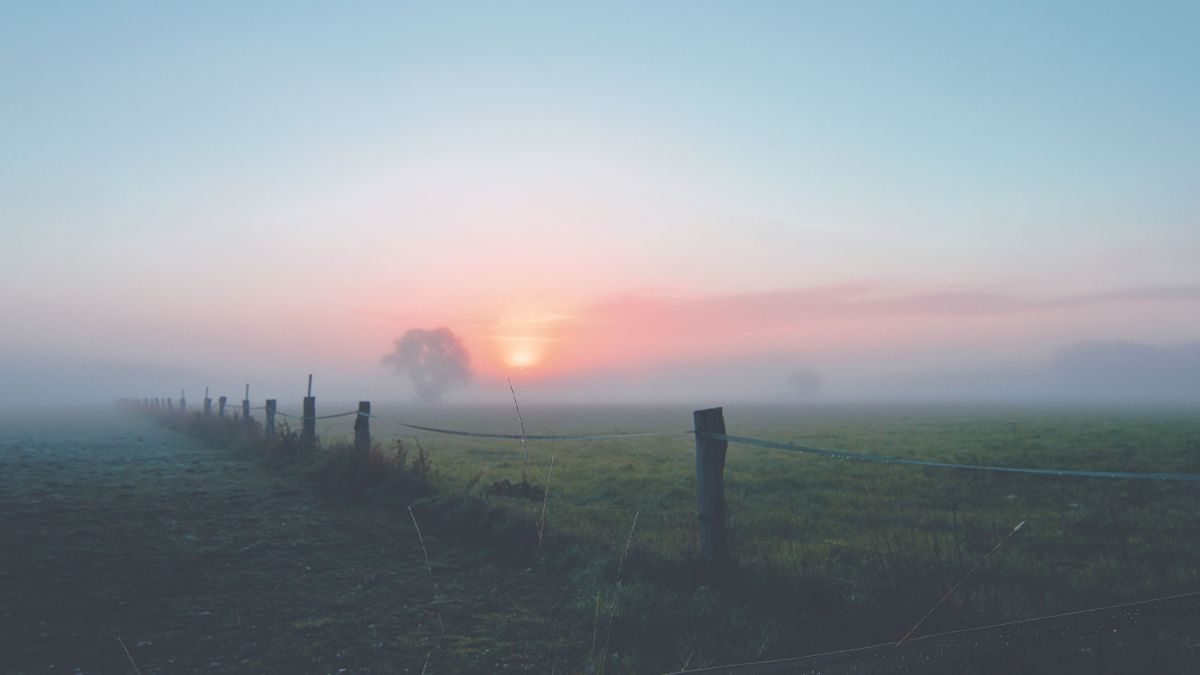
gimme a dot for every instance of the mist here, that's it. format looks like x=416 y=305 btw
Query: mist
x=1084 y=372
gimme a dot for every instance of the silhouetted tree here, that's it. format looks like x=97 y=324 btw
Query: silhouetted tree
x=434 y=359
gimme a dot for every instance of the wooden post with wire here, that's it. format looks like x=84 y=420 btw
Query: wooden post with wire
x=710 y=490
x=246 y=408
x=221 y=407
x=269 y=424
x=207 y=403
x=308 y=427
x=362 y=427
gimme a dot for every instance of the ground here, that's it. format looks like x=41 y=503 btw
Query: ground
x=118 y=533
x=123 y=543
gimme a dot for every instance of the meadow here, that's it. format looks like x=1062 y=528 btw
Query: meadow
x=128 y=547
x=262 y=554
x=834 y=553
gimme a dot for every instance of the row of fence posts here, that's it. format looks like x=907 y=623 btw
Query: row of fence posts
x=168 y=403
x=308 y=426
x=708 y=425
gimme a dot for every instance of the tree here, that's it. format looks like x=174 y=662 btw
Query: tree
x=434 y=359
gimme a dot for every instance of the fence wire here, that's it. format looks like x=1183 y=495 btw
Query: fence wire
x=779 y=445
x=882 y=459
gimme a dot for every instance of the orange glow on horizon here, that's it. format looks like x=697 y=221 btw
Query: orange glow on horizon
x=522 y=340
x=557 y=339
x=521 y=357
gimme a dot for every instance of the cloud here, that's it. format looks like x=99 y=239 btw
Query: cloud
x=862 y=299
x=863 y=315
x=1140 y=294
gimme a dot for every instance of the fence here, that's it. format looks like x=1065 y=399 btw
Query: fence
x=711 y=443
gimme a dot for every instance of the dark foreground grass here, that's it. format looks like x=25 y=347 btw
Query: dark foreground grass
x=116 y=533
x=831 y=554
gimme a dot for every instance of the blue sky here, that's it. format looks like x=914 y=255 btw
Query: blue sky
x=161 y=158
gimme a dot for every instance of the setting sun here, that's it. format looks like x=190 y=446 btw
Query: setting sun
x=521 y=351
x=522 y=357
x=522 y=338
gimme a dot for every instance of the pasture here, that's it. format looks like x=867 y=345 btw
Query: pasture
x=118 y=528
x=119 y=534
x=838 y=553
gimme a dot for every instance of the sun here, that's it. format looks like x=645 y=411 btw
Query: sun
x=524 y=339
x=522 y=357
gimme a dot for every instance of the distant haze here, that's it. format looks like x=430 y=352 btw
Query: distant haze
x=797 y=202
x=1090 y=372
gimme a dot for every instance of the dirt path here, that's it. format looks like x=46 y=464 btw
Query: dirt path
x=113 y=530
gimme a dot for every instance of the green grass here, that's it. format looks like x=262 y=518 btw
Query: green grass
x=832 y=553
x=117 y=533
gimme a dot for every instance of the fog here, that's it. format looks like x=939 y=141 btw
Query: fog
x=1083 y=372
x=1096 y=372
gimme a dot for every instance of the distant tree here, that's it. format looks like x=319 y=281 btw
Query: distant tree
x=805 y=382
x=434 y=359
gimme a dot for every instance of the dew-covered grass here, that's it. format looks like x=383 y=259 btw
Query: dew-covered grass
x=870 y=546
x=830 y=553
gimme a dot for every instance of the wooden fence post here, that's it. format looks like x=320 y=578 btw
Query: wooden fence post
x=269 y=425
x=308 y=427
x=362 y=426
x=710 y=489
x=246 y=408
x=207 y=403
x=221 y=407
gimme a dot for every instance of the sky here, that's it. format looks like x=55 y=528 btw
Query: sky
x=602 y=200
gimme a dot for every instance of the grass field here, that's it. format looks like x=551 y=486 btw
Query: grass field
x=119 y=534
x=832 y=554
x=864 y=549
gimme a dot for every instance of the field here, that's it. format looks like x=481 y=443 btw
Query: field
x=117 y=533
x=831 y=553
